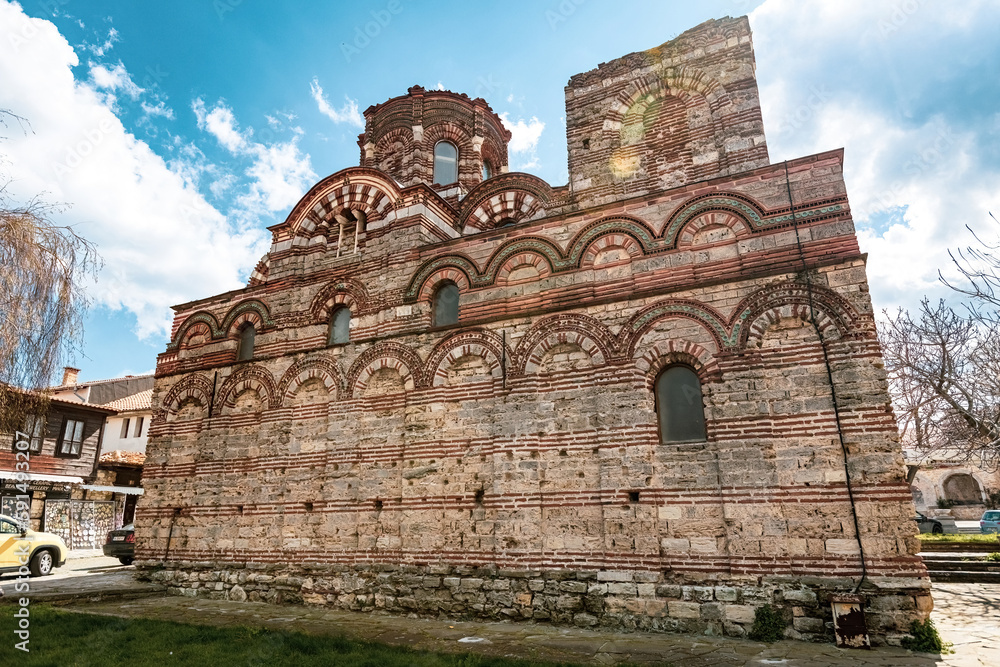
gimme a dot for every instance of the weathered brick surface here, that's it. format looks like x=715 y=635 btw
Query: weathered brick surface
x=510 y=465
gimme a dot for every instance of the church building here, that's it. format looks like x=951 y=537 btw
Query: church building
x=651 y=398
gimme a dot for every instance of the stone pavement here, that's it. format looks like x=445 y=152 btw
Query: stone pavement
x=967 y=615
x=82 y=579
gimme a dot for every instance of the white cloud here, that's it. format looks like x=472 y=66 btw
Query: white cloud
x=162 y=243
x=220 y=123
x=524 y=138
x=906 y=89
x=222 y=185
x=159 y=109
x=440 y=86
x=524 y=134
x=114 y=79
x=100 y=49
x=346 y=114
x=280 y=172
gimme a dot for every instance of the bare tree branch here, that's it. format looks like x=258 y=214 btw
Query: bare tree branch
x=944 y=367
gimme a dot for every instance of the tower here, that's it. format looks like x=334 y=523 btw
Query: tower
x=436 y=137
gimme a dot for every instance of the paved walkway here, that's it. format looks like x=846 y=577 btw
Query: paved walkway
x=84 y=578
x=966 y=613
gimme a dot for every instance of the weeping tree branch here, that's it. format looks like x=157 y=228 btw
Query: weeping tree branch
x=43 y=268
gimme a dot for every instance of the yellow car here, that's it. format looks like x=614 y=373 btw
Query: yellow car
x=21 y=547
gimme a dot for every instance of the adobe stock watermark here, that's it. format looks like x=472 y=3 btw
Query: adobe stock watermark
x=818 y=96
x=561 y=13
x=487 y=86
x=51 y=7
x=78 y=152
x=363 y=35
x=22 y=465
x=29 y=31
x=921 y=162
x=898 y=17
x=154 y=77
x=223 y=7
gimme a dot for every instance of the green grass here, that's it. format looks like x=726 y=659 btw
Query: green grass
x=63 y=639
x=925 y=639
x=768 y=625
x=985 y=539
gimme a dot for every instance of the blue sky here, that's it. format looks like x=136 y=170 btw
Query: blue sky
x=178 y=131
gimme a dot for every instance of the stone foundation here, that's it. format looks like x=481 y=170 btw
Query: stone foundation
x=618 y=600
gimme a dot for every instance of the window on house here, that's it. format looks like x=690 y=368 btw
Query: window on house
x=138 y=427
x=247 y=336
x=487 y=171
x=34 y=429
x=72 y=438
x=124 y=428
x=445 y=163
x=445 y=308
x=679 y=405
x=340 y=327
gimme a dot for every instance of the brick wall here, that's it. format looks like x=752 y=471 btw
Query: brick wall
x=510 y=465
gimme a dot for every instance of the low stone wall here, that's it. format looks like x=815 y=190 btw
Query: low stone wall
x=619 y=600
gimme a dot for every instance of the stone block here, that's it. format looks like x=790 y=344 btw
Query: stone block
x=668 y=591
x=808 y=624
x=739 y=613
x=727 y=594
x=803 y=595
x=573 y=587
x=678 y=609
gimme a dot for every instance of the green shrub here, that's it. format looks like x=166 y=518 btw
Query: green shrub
x=995 y=557
x=768 y=625
x=925 y=638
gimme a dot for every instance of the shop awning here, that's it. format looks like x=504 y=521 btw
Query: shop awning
x=36 y=477
x=129 y=490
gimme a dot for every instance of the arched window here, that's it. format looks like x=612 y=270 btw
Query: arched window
x=245 y=350
x=445 y=163
x=679 y=405
x=487 y=170
x=446 y=305
x=340 y=327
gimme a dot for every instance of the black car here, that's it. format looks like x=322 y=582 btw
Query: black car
x=928 y=525
x=121 y=544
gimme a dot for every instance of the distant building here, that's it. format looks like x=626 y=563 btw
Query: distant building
x=74 y=487
x=127 y=431
x=950 y=484
x=632 y=400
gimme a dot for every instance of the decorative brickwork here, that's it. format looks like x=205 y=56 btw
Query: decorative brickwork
x=511 y=465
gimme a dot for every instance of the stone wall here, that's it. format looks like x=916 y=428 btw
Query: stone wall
x=931 y=485
x=683 y=112
x=619 y=600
